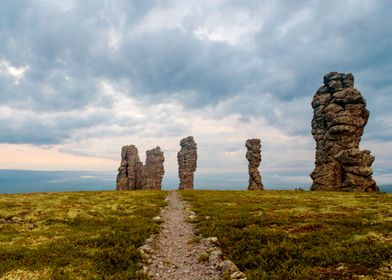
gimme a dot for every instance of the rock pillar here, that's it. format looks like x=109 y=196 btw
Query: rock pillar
x=339 y=118
x=253 y=155
x=133 y=175
x=128 y=177
x=154 y=169
x=187 y=163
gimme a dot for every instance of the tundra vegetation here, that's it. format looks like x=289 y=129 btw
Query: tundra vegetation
x=80 y=235
x=299 y=235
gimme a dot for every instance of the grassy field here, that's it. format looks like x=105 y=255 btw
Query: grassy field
x=81 y=235
x=299 y=235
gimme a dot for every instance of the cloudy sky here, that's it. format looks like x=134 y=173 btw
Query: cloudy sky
x=80 y=79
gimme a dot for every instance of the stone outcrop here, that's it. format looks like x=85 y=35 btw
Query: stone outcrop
x=154 y=169
x=133 y=175
x=340 y=116
x=253 y=155
x=130 y=172
x=187 y=163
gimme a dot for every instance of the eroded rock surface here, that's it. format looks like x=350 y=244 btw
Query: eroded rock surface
x=340 y=116
x=129 y=173
x=253 y=155
x=154 y=169
x=187 y=163
x=133 y=175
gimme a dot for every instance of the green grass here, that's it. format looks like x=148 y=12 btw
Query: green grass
x=299 y=235
x=81 y=235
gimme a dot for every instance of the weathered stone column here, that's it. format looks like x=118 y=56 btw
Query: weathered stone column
x=153 y=169
x=128 y=173
x=187 y=163
x=253 y=155
x=340 y=116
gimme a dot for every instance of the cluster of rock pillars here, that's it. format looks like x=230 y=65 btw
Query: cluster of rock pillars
x=339 y=118
x=134 y=175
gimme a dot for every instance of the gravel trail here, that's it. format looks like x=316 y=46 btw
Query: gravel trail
x=174 y=257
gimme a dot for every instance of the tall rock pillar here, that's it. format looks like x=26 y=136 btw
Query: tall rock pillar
x=340 y=116
x=187 y=163
x=128 y=173
x=133 y=175
x=153 y=169
x=253 y=155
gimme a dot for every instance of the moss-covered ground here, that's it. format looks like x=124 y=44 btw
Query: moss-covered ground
x=299 y=235
x=80 y=235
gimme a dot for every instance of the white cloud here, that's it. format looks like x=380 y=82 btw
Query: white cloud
x=6 y=68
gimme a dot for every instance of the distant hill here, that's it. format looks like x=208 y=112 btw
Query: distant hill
x=25 y=181
x=386 y=188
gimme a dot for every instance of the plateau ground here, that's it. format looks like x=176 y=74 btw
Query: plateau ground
x=80 y=235
x=268 y=234
x=299 y=235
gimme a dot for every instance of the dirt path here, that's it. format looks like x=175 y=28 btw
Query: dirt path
x=174 y=257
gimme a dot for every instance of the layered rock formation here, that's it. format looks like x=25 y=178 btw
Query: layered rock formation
x=133 y=175
x=187 y=163
x=154 y=169
x=130 y=172
x=253 y=155
x=340 y=116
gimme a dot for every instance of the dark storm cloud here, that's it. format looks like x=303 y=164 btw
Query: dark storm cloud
x=68 y=52
x=310 y=40
x=175 y=62
x=62 y=48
